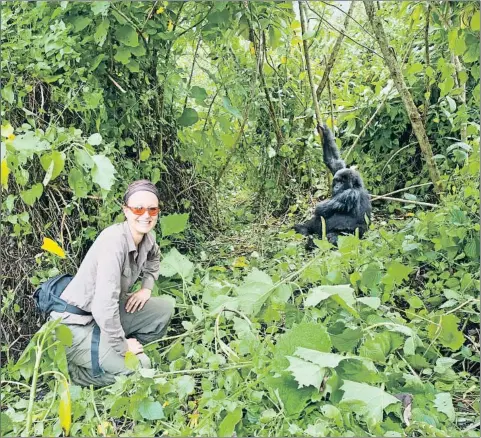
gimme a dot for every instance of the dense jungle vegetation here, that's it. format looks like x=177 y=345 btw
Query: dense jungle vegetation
x=217 y=103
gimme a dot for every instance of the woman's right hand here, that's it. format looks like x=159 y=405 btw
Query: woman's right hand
x=134 y=346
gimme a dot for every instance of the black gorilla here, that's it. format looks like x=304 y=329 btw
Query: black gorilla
x=350 y=203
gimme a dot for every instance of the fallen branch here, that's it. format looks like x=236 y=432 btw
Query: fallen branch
x=402 y=190
x=406 y=201
x=116 y=84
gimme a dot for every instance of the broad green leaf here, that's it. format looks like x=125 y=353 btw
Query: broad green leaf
x=254 y=291
x=415 y=68
x=8 y=94
x=451 y=103
x=185 y=386
x=94 y=139
x=127 y=35
x=371 y=276
x=444 y=329
x=6 y=424
x=123 y=55
x=443 y=364
x=342 y=294
x=380 y=346
x=133 y=66
x=151 y=410
x=346 y=340
x=101 y=32
x=199 y=94
x=227 y=425
x=29 y=143
x=287 y=389
x=475 y=21
x=100 y=7
x=306 y=334
x=175 y=263
x=188 y=118
x=132 y=362
x=228 y=106
x=83 y=159
x=306 y=373
x=372 y=302
x=78 y=183
x=31 y=195
x=173 y=224
x=103 y=172
x=64 y=335
x=53 y=162
x=323 y=359
x=444 y=403
x=80 y=23
x=372 y=399
x=145 y=154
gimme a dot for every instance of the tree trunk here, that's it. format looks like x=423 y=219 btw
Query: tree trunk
x=413 y=113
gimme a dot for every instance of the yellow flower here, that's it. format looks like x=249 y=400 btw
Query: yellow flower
x=160 y=10
x=11 y=137
x=6 y=129
x=283 y=59
x=53 y=247
x=194 y=419
x=170 y=26
x=165 y=404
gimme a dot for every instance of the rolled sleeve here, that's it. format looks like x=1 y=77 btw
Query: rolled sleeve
x=105 y=303
x=151 y=268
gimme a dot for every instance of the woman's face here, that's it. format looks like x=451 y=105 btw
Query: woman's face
x=141 y=224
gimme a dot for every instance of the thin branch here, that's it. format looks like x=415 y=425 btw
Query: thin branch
x=334 y=52
x=344 y=34
x=350 y=16
x=405 y=189
x=368 y=123
x=197 y=23
x=191 y=73
x=116 y=83
x=396 y=153
x=426 y=57
x=406 y=201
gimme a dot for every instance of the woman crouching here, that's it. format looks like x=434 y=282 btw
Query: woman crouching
x=116 y=321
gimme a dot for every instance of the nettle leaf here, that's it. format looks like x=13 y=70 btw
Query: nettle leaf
x=185 y=386
x=306 y=373
x=132 y=362
x=31 y=195
x=254 y=292
x=53 y=163
x=397 y=273
x=173 y=224
x=371 y=276
x=176 y=263
x=380 y=346
x=103 y=172
x=444 y=329
x=372 y=302
x=29 y=143
x=368 y=400
x=227 y=425
x=188 y=118
x=64 y=335
x=83 y=159
x=127 y=35
x=79 y=183
x=151 y=410
x=342 y=294
x=306 y=334
x=444 y=403
x=123 y=55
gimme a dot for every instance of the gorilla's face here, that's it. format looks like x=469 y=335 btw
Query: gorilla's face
x=346 y=179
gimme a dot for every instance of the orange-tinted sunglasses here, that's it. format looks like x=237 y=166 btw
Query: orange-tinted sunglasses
x=139 y=211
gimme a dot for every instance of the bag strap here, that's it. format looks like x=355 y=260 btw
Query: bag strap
x=62 y=306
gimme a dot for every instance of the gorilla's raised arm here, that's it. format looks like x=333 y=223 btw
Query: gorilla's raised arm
x=331 y=154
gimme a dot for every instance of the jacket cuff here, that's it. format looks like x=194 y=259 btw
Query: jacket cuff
x=148 y=282
x=123 y=347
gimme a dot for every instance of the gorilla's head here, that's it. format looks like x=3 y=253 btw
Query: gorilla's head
x=346 y=179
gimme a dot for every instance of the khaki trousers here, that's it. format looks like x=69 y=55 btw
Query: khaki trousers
x=146 y=325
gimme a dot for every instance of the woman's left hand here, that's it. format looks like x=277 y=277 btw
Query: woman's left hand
x=137 y=300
